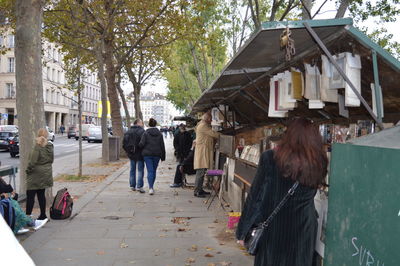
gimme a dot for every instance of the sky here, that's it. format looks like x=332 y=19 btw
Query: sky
x=328 y=11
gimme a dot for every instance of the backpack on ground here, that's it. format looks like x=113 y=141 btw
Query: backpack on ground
x=8 y=212
x=62 y=205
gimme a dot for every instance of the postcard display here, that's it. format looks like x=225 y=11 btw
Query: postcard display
x=288 y=87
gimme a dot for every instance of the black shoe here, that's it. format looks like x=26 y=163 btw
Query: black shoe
x=199 y=195
x=205 y=192
x=175 y=185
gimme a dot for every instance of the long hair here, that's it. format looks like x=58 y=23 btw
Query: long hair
x=301 y=155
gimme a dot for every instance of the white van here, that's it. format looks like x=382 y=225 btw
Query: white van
x=85 y=131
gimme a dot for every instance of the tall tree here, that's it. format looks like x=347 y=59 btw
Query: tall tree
x=28 y=71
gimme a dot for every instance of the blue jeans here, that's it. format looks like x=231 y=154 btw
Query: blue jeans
x=151 y=165
x=132 y=174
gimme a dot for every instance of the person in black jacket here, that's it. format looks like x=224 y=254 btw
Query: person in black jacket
x=185 y=167
x=182 y=143
x=131 y=146
x=289 y=239
x=152 y=143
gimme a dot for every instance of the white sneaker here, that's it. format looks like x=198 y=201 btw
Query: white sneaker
x=151 y=191
x=40 y=223
x=22 y=231
x=133 y=189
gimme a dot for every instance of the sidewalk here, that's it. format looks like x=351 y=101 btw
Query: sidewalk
x=115 y=226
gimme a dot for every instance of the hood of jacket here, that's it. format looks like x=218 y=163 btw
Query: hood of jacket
x=41 y=141
x=153 y=131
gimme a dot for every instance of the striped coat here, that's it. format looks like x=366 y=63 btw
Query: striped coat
x=290 y=238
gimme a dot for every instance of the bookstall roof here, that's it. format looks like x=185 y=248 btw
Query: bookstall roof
x=244 y=82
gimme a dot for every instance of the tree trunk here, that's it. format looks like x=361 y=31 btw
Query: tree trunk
x=306 y=9
x=116 y=119
x=103 y=87
x=136 y=92
x=124 y=104
x=80 y=124
x=344 y=4
x=196 y=66
x=136 y=98
x=29 y=84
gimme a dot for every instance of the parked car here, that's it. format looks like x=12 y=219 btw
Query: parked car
x=51 y=136
x=94 y=134
x=85 y=133
x=71 y=133
x=6 y=133
x=13 y=146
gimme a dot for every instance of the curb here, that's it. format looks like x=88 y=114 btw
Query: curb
x=37 y=240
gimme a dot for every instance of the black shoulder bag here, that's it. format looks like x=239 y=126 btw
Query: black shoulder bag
x=253 y=236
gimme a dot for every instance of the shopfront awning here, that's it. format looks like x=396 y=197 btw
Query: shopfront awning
x=244 y=82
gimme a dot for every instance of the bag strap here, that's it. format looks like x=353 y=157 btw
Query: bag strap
x=280 y=205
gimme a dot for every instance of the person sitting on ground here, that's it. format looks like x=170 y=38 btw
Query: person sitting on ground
x=182 y=143
x=204 y=155
x=39 y=173
x=153 y=149
x=21 y=219
x=185 y=167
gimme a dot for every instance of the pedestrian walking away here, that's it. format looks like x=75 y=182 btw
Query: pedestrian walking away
x=289 y=238
x=62 y=129
x=130 y=144
x=152 y=143
x=39 y=173
x=204 y=154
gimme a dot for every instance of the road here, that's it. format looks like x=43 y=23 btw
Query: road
x=62 y=147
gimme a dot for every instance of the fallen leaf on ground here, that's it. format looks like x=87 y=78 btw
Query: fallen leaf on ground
x=193 y=248
x=176 y=193
x=222 y=243
x=101 y=252
x=132 y=262
x=162 y=235
x=208 y=255
x=211 y=227
x=183 y=229
x=68 y=259
x=216 y=221
x=190 y=260
x=225 y=263
x=219 y=252
x=123 y=245
x=211 y=264
x=208 y=248
x=190 y=201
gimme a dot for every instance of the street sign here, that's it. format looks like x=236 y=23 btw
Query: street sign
x=4 y=116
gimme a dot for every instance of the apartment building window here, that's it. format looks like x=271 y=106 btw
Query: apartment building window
x=1 y=41
x=53 y=75
x=11 y=64
x=10 y=92
x=51 y=100
x=10 y=41
x=58 y=76
x=54 y=54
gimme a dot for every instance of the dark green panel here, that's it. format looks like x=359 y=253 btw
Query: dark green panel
x=364 y=207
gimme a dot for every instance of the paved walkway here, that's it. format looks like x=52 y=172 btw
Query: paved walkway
x=115 y=226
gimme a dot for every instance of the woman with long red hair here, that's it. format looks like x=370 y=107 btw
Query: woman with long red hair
x=289 y=239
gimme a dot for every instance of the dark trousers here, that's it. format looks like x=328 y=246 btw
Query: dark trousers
x=178 y=175
x=198 y=184
x=30 y=201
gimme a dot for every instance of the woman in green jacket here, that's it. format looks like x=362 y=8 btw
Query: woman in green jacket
x=39 y=173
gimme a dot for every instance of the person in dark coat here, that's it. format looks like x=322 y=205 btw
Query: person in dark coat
x=182 y=143
x=131 y=146
x=289 y=240
x=185 y=167
x=39 y=173
x=152 y=143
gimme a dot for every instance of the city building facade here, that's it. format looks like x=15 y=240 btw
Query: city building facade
x=59 y=107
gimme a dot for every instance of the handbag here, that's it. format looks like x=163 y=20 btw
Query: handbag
x=253 y=236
